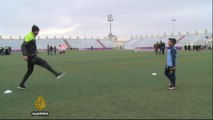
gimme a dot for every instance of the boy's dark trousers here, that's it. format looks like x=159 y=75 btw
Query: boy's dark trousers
x=35 y=60
x=170 y=74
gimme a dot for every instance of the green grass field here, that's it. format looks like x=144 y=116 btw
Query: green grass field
x=109 y=84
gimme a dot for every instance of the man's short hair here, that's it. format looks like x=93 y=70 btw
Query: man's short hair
x=35 y=28
x=173 y=40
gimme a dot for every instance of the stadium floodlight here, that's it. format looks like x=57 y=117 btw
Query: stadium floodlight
x=110 y=19
x=173 y=21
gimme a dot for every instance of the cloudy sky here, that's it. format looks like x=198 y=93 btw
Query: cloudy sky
x=89 y=17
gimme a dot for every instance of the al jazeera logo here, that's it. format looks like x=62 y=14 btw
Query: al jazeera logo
x=40 y=104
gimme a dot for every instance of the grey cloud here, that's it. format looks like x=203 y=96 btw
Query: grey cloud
x=132 y=17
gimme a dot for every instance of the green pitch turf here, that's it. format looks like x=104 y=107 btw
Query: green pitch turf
x=109 y=84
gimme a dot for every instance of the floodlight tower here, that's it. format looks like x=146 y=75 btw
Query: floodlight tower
x=173 y=21
x=110 y=20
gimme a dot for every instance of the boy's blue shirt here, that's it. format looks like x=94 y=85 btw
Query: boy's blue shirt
x=171 y=57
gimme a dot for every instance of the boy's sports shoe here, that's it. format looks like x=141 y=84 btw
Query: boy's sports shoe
x=171 y=88
x=60 y=75
x=170 y=84
x=21 y=87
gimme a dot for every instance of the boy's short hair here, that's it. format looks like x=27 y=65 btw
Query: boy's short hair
x=173 y=40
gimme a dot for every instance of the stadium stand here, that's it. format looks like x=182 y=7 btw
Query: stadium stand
x=210 y=41
x=42 y=43
x=105 y=44
x=148 y=43
x=79 y=44
x=84 y=44
x=15 y=44
x=129 y=45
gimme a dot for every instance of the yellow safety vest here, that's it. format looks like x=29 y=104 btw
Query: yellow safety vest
x=29 y=37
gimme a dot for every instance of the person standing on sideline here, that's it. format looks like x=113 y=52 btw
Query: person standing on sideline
x=170 y=70
x=189 y=47
x=163 y=48
x=55 y=50
x=51 y=50
x=160 y=47
x=156 y=48
x=185 y=47
x=29 y=51
x=48 y=49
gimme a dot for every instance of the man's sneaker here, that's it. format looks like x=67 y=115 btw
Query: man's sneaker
x=21 y=87
x=60 y=75
x=171 y=88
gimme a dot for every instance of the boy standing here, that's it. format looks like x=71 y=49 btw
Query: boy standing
x=171 y=64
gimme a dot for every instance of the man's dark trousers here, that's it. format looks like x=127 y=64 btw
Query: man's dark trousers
x=35 y=60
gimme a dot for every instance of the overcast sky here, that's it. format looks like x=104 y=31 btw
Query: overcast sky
x=89 y=17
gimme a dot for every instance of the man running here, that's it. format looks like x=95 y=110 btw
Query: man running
x=29 y=51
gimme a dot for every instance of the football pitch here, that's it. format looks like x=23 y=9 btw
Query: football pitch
x=109 y=84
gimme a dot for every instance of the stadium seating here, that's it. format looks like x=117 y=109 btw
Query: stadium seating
x=84 y=44
x=80 y=44
x=42 y=43
x=15 y=44
x=87 y=44
x=108 y=43
x=148 y=43
x=190 y=39
x=131 y=43
x=195 y=39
